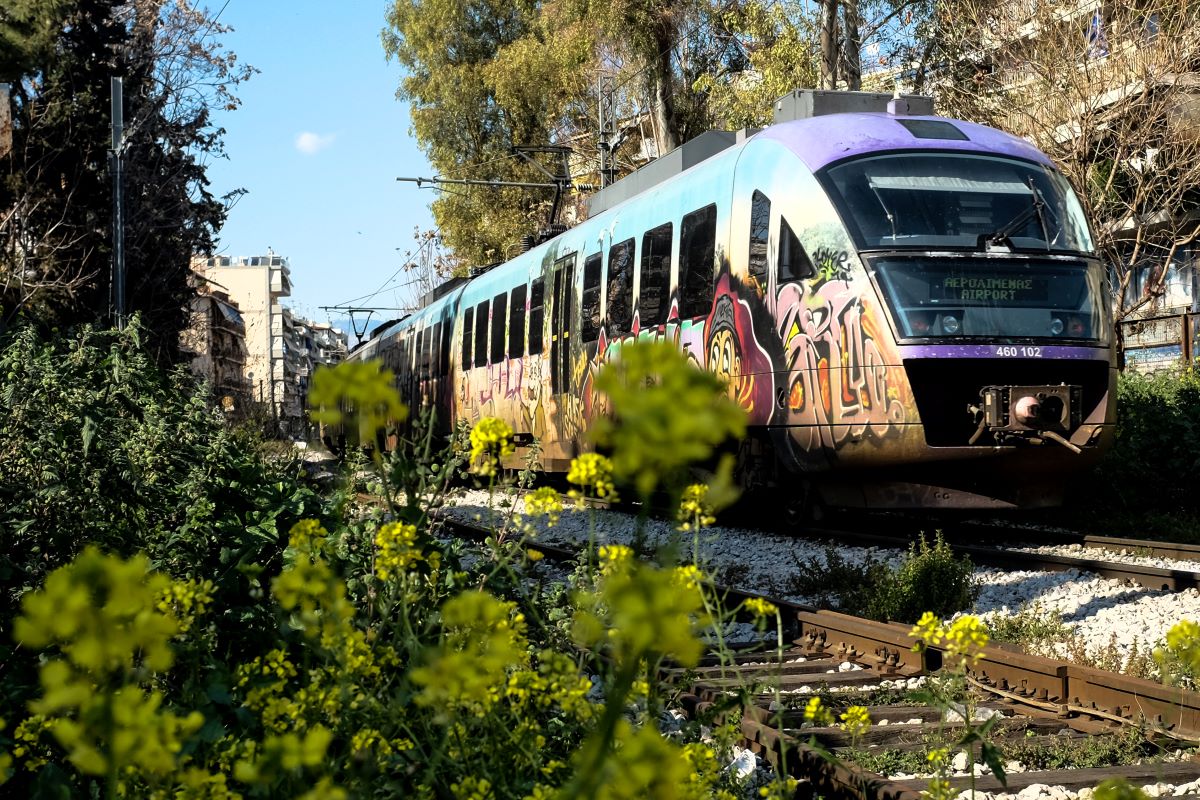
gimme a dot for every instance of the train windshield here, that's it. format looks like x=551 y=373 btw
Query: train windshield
x=1023 y=298
x=951 y=200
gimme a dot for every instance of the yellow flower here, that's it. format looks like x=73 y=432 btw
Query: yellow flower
x=544 y=501
x=689 y=575
x=1183 y=648
x=816 y=713
x=614 y=557
x=759 y=607
x=641 y=610
x=397 y=549
x=534 y=555
x=360 y=394
x=593 y=471
x=491 y=440
x=965 y=637
x=694 y=512
x=855 y=721
x=485 y=637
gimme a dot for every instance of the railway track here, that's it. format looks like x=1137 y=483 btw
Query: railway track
x=992 y=546
x=1041 y=699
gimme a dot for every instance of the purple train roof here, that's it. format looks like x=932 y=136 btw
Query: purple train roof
x=819 y=141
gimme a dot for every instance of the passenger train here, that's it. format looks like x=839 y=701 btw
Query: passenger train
x=909 y=308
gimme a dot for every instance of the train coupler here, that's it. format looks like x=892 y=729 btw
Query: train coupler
x=1029 y=414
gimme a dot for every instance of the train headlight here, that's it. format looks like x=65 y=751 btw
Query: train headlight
x=1056 y=326
x=950 y=324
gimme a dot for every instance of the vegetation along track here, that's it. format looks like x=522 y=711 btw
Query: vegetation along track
x=992 y=545
x=835 y=655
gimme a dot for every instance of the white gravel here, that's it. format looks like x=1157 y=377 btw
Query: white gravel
x=1104 y=614
x=1104 y=554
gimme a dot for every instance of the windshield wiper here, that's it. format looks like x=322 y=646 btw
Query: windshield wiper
x=1001 y=236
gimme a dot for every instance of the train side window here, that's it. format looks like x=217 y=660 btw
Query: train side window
x=446 y=347
x=467 y=329
x=655 y=292
x=499 y=323
x=794 y=263
x=590 y=316
x=620 y=288
x=697 y=246
x=537 y=299
x=760 y=225
x=516 y=322
x=481 y=332
x=435 y=347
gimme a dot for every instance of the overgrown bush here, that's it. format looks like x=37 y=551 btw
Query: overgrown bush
x=929 y=578
x=1146 y=483
x=394 y=668
x=99 y=446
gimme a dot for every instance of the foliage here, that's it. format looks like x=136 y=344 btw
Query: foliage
x=928 y=577
x=389 y=669
x=1152 y=461
x=98 y=446
x=1106 y=97
x=55 y=187
x=666 y=415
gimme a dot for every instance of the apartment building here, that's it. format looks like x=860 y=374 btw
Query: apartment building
x=216 y=342
x=281 y=348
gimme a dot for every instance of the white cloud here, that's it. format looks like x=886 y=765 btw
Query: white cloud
x=311 y=143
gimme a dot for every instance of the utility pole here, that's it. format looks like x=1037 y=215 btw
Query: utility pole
x=608 y=129
x=115 y=158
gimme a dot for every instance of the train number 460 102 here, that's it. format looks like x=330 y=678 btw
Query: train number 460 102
x=1013 y=351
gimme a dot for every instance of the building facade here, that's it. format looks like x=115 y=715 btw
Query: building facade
x=216 y=342
x=281 y=348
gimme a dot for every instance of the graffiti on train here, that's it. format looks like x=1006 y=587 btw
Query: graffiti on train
x=839 y=384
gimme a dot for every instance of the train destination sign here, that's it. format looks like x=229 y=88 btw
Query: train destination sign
x=994 y=288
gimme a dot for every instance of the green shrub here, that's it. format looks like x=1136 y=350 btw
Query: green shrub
x=930 y=578
x=99 y=446
x=1146 y=483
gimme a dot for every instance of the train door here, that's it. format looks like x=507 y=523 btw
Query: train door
x=560 y=324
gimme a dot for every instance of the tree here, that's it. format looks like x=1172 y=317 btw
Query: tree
x=1113 y=100
x=56 y=196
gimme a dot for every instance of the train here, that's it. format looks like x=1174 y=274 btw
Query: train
x=909 y=308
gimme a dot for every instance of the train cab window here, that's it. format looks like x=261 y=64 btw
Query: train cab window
x=793 y=262
x=590 y=321
x=697 y=246
x=760 y=226
x=620 y=288
x=467 y=328
x=481 y=332
x=516 y=322
x=537 y=310
x=654 y=297
x=499 y=323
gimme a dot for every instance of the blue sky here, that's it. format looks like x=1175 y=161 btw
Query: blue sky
x=318 y=143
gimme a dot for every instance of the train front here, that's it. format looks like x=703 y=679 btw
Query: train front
x=983 y=262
